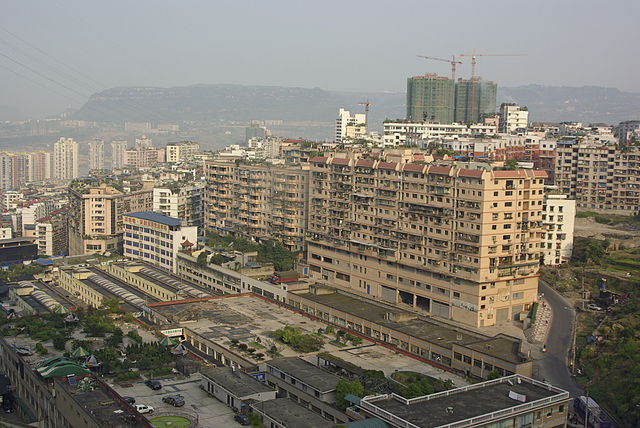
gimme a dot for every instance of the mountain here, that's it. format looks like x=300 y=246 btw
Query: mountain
x=239 y=103
x=586 y=104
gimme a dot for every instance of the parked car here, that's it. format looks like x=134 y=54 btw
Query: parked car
x=175 y=400
x=242 y=419
x=594 y=307
x=153 y=384
x=143 y=408
x=129 y=400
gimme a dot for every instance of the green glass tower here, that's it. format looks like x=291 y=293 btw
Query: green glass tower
x=474 y=100
x=430 y=98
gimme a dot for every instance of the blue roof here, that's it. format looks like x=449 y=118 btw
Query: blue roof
x=157 y=217
x=44 y=262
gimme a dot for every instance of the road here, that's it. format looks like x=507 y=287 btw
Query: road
x=553 y=364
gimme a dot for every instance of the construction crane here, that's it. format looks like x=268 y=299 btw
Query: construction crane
x=474 y=60
x=366 y=105
x=452 y=61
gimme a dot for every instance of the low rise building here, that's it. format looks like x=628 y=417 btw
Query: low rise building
x=513 y=118
x=17 y=250
x=284 y=413
x=306 y=384
x=156 y=238
x=181 y=151
x=234 y=387
x=513 y=401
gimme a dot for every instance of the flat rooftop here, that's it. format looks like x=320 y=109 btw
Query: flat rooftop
x=237 y=382
x=291 y=414
x=464 y=403
x=173 y=282
x=307 y=373
x=444 y=335
x=240 y=317
x=133 y=290
x=97 y=401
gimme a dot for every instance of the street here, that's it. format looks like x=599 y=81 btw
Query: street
x=553 y=364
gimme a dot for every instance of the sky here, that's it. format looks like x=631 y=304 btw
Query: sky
x=55 y=54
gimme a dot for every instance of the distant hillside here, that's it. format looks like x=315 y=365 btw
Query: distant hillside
x=587 y=104
x=244 y=103
x=235 y=103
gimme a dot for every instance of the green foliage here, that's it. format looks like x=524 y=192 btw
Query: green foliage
x=97 y=323
x=493 y=374
x=329 y=329
x=587 y=250
x=218 y=259
x=255 y=420
x=20 y=271
x=512 y=164
x=271 y=251
x=356 y=341
x=202 y=258
x=133 y=334
x=297 y=340
x=129 y=318
x=112 y=305
x=344 y=388
x=115 y=339
x=610 y=219
x=40 y=349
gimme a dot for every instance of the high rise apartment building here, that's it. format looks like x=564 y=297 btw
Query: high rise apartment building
x=182 y=202
x=458 y=242
x=475 y=99
x=600 y=178
x=430 y=98
x=96 y=155
x=513 y=118
x=18 y=169
x=558 y=220
x=350 y=126
x=259 y=201
x=182 y=151
x=95 y=215
x=65 y=159
x=118 y=147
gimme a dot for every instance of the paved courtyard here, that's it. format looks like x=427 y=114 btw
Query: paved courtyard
x=210 y=411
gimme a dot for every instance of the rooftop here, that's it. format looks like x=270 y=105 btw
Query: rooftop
x=291 y=414
x=237 y=382
x=503 y=347
x=156 y=217
x=306 y=372
x=468 y=402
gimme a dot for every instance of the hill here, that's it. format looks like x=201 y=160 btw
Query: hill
x=239 y=103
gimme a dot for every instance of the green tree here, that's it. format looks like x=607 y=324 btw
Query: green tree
x=493 y=374
x=202 y=258
x=512 y=164
x=344 y=388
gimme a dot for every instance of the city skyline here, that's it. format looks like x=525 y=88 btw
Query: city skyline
x=47 y=68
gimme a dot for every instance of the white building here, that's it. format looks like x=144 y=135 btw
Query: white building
x=265 y=147
x=558 y=217
x=156 y=238
x=185 y=203
x=348 y=125
x=65 y=159
x=182 y=151
x=96 y=155
x=513 y=118
x=6 y=233
x=10 y=199
x=118 y=148
x=413 y=133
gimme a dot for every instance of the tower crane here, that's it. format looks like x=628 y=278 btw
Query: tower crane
x=474 y=59
x=452 y=61
x=366 y=105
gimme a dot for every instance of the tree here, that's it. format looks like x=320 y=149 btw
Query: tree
x=202 y=258
x=512 y=164
x=493 y=374
x=344 y=388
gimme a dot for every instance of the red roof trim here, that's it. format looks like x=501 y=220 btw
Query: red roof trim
x=318 y=159
x=340 y=161
x=444 y=170
x=365 y=162
x=416 y=167
x=387 y=165
x=476 y=173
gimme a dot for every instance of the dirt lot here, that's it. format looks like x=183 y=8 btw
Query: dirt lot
x=589 y=228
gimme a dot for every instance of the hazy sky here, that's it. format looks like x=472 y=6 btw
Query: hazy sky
x=75 y=48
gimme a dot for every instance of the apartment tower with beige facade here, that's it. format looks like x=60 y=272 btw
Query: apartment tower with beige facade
x=259 y=201
x=457 y=241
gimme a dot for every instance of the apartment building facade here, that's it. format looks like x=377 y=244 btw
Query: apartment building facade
x=183 y=202
x=431 y=98
x=600 y=178
x=513 y=118
x=454 y=242
x=259 y=201
x=156 y=238
x=118 y=147
x=558 y=220
x=95 y=215
x=65 y=159
x=52 y=232
x=181 y=151
x=96 y=154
